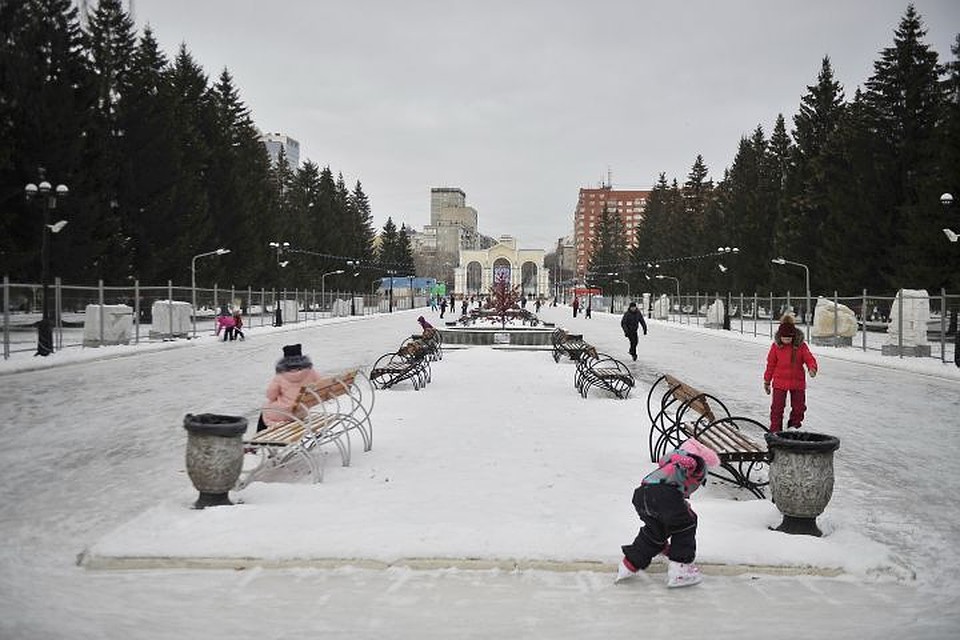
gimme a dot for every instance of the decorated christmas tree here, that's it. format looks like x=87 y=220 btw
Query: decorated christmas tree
x=503 y=297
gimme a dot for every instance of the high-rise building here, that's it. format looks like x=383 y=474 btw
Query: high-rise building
x=291 y=148
x=451 y=220
x=629 y=205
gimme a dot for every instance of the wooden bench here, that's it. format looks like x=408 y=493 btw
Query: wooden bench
x=678 y=411
x=603 y=372
x=324 y=413
x=570 y=344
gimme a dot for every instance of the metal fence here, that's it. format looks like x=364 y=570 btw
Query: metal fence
x=94 y=316
x=759 y=316
x=101 y=315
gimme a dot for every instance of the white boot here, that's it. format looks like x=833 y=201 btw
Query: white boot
x=681 y=574
x=624 y=572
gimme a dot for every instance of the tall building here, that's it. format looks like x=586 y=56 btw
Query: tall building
x=452 y=222
x=291 y=148
x=629 y=205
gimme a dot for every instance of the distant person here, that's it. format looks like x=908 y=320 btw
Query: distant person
x=225 y=323
x=463 y=306
x=576 y=306
x=786 y=359
x=292 y=371
x=669 y=524
x=589 y=312
x=443 y=307
x=631 y=322
x=238 y=325
x=537 y=304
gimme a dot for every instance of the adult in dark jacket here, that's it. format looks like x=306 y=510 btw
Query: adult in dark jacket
x=631 y=321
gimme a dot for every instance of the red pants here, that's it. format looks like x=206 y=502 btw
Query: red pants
x=798 y=406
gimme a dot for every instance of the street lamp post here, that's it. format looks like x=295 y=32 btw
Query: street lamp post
x=193 y=282
x=806 y=271
x=947 y=200
x=323 y=286
x=281 y=247
x=48 y=203
x=660 y=276
x=391 y=273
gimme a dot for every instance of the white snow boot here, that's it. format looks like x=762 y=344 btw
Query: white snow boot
x=625 y=570
x=680 y=574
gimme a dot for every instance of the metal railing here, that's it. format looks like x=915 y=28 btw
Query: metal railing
x=759 y=316
x=101 y=315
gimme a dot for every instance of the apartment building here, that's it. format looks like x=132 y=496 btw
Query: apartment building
x=628 y=204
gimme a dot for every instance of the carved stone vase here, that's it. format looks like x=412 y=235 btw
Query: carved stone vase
x=801 y=478
x=214 y=455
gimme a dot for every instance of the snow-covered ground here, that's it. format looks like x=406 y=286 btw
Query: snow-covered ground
x=493 y=502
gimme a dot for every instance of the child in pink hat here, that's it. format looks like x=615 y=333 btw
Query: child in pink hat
x=669 y=524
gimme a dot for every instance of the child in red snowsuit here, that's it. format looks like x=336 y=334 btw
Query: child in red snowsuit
x=785 y=362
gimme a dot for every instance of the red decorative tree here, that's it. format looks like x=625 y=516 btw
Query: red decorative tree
x=503 y=297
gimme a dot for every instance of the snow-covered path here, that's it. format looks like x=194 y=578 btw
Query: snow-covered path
x=88 y=446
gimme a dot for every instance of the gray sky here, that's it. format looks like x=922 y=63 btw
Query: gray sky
x=522 y=102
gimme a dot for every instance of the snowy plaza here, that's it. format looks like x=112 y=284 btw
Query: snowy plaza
x=492 y=504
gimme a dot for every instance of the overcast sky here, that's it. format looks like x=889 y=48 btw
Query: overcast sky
x=520 y=103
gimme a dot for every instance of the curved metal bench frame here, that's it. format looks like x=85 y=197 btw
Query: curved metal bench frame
x=408 y=363
x=742 y=456
x=603 y=372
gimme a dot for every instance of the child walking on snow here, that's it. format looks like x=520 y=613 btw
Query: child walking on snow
x=785 y=361
x=669 y=524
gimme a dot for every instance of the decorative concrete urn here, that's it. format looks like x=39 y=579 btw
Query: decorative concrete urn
x=214 y=455
x=801 y=478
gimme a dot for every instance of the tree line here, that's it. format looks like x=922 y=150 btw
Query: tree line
x=853 y=192
x=162 y=165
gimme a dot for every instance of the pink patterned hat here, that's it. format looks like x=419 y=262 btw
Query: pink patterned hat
x=708 y=455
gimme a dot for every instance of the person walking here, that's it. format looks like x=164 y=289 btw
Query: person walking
x=631 y=322
x=786 y=359
x=669 y=524
x=576 y=306
x=589 y=312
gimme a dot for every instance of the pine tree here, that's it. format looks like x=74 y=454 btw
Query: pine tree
x=905 y=97
x=148 y=159
x=191 y=227
x=45 y=101
x=110 y=46
x=609 y=252
x=801 y=228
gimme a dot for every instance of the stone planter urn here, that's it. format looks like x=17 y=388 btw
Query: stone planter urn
x=801 y=478
x=214 y=455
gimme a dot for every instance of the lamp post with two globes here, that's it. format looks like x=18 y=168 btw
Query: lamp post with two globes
x=48 y=197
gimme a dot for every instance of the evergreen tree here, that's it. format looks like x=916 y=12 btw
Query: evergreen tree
x=905 y=98
x=799 y=231
x=239 y=167
x=148 y=156
x=609 y=251
x=110 y=46
x=699 y=235
x=191 y=229
x=45 y=101
x=405 y=251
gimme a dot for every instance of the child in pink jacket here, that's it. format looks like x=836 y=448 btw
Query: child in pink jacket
x=293 y=371
x=785 y=362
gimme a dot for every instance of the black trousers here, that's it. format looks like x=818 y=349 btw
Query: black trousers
x=633 y=338
x=666 y=517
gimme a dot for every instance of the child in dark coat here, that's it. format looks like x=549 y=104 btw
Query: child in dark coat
x=669 y=524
